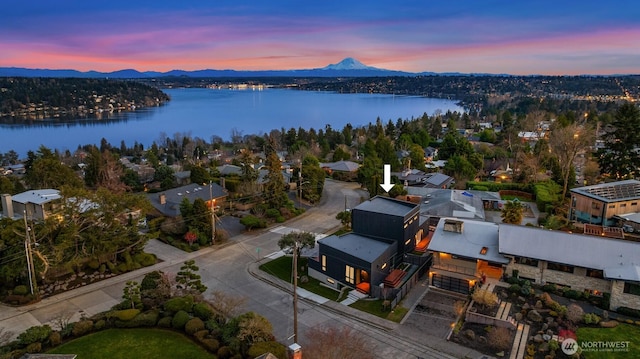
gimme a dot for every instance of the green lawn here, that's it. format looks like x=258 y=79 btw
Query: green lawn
x=375 y=307
x=623 y=332
x=133 y=343
x=281 y=268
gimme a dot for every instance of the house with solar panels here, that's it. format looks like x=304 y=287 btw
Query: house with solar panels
x=601 y=203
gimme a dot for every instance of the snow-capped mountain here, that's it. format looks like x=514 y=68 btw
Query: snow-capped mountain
x=349 y=63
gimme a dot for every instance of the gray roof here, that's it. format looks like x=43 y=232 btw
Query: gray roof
x=358 y=246
x=611 y=192
x=386 y=205
x=455 y=203
x=226 y=170
x=39 y=196
x=341 y=166
x=631 y=217
x=469 y=243
x=619 y=259
x=174 y=197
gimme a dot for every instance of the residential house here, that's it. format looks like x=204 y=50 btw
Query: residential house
x=463 y=252
x=453 y=203
x=36 y=204
x=385 y=233
x=593 y=264
x=168 y=202
x=419 y=178
x=430 y=153
x=601 y=203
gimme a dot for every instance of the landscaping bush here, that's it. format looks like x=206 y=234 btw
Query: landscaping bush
x=55 y=339
x=272 y=347
x=148 y=319
x=250 y=222
x=177 y=304
x=100 y=324
x=630 y=312
x=224 y=352
x=574 y=313
x=606 y=301
x=34 y=348
x=180 y=320
x=572 y=294
x=513 y=280
x=515 y=288
x=201 y=334
x=194 y=325
x=165 y=322
x=145 y=259
x=272 y=213
x=549 y=288
x=210 y=344
x=35 y=334
x=20 y=290
x=203 y=311
x=547 y=195
x=125 y=314
x=112 y=268
x=499 y=338
x=591 y=318
x=150 y=281
x=485 y=298
x=82 y=327
x=93 y=264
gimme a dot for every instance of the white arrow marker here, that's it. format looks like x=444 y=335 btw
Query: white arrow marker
x=387 y=185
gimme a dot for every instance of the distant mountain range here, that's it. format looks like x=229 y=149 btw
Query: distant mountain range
x=349 y=67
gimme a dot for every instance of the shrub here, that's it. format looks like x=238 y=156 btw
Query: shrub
x=485 y=298
x=148 y=319
x=180 y=320
x=550 y=288
x=177 y=304
x=93 y=264
x=122 y=268
x=20 y=290
x=250 y=221
x=606 y=301
x=112 y=268
x=145 y=259
x=629 y=312
x=34 y=348
x=272 y=347
x=513 y=280
x=194 y=325
x=515 y=288
x=280 y=219
x=574 y=313
x=572 y=294
x=150 y=281
x=210 y=344
x=100 y=324
x=203 y=311
x=55 y=339
x=165 y=322
x=34 y=335
x=499 y=338
x=82 y=327
x=102 y=268
x=126 y=314
x=591 y=318
x=554 y=345
x=201 y=334
x=224 y=352
x=272 y=213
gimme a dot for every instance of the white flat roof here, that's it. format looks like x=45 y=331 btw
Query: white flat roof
x=39 y=196
x=475 y=236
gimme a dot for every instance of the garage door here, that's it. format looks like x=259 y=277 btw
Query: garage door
x=450 y=283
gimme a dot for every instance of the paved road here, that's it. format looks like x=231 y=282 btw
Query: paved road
x=232 y=268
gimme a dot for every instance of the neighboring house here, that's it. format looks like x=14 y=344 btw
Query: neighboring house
x=417 y=178
x=463 y=251
x=340 y=166
x=230 y=170
x=145 y=172
x=601 y=203
x=168 y=202
x=182 y=177
x=592 y=264
x=430 y=153
x=37 y=204
x=385 y=233
x=531 y=137
x=453 y=203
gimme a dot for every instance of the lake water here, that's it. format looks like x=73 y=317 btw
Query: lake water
x=207 y=112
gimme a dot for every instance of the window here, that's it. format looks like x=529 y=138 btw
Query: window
x=560 y=267
x=623 y=205
x=595 y=205
x=634 y=203
x=612 y=206
x=349 y=274
x=526 y=261
x=484 y=250
x=595 y=273
x=324 y=263
x=632 y=288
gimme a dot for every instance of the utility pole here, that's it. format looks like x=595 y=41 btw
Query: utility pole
x=300 y=181
x=213 y=214
x=27 y=247
x=295 y=294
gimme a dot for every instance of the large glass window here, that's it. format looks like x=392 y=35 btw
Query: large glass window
x=324 y=263
x=595 y=273
x=560 y=267
x=632 y=288
x=349 y=276
x=526 y=261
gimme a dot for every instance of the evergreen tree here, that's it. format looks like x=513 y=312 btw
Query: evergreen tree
x=188 y=280
x=274 y=190
x=513 y=212
x=620 y=158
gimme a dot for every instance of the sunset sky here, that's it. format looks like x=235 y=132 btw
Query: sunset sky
x=515 y=37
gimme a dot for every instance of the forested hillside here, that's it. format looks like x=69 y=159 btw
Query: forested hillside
x=40 y=98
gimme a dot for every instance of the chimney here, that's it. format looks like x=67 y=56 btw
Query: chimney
x=7 y=206
x=294 y=351
x=163 y=199
x=451 y=225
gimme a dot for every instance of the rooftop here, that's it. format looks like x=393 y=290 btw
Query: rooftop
x=40 y=196
x=386 y=205
x=470 y=243
x=358 y=246
x=619 y=259
x=612 y=192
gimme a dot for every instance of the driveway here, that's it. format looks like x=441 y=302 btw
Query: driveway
x=433 y=315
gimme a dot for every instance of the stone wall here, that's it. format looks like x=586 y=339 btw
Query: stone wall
x=578 y=280
x=621 y=299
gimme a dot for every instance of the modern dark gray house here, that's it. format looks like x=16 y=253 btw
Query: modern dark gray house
x=385 y=232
